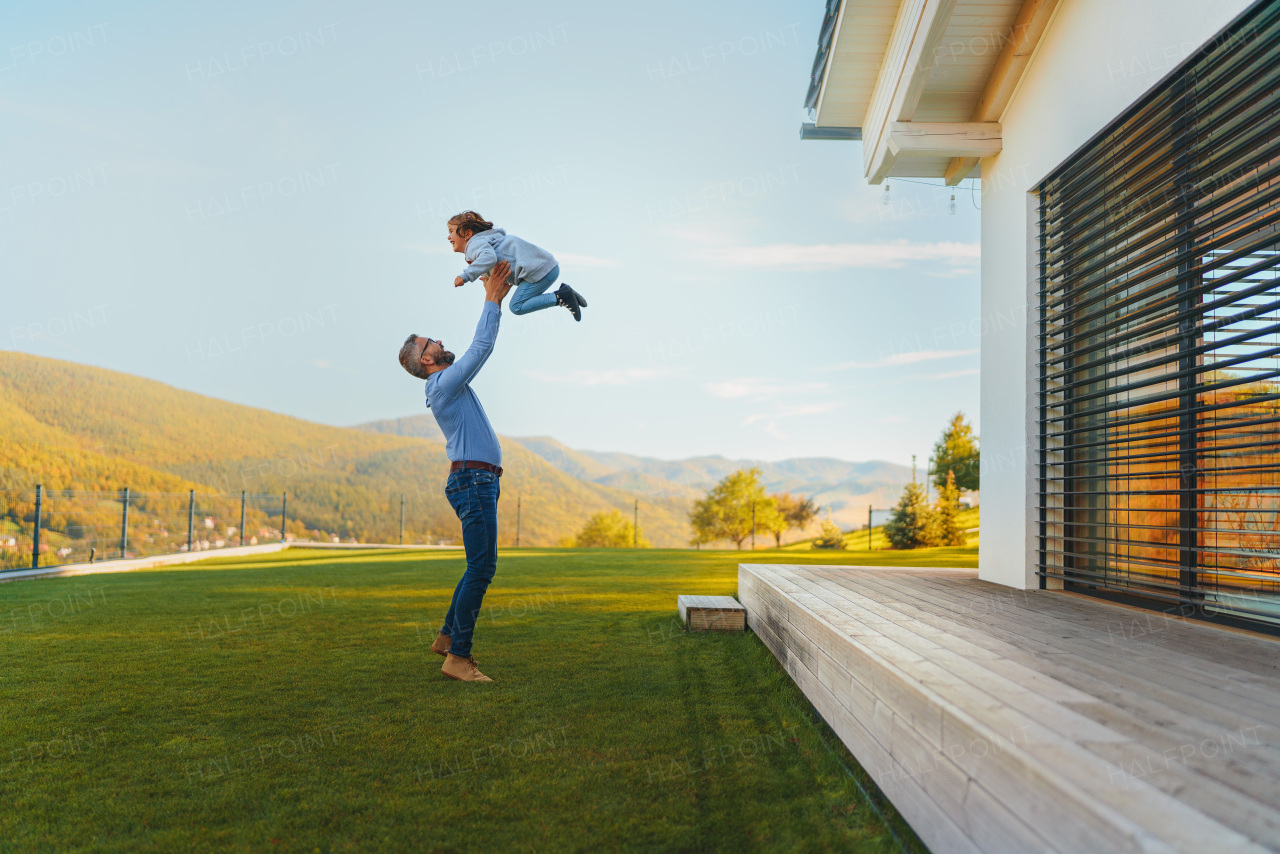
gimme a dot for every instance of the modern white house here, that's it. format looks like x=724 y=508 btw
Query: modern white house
x=1108 y=681
x=1136 y=243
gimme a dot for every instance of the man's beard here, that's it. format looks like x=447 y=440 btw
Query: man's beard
x=445 y=359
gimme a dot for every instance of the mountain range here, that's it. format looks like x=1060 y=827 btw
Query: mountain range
x=77 y=427
x=844 y=488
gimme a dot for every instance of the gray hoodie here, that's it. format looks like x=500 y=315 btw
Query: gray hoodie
x=529 y=263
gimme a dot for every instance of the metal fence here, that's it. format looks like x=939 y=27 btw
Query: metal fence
x=48 y=527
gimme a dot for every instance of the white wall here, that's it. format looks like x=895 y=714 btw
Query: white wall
x=1094 y=60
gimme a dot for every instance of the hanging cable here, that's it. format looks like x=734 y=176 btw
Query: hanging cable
x=951 y=206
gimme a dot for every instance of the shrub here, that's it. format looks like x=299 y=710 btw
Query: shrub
x=832 y=537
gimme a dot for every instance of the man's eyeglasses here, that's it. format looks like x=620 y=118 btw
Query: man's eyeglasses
x=413 y=338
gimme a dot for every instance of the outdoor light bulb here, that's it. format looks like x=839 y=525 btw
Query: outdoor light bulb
x=951 y=205
x=884 y=197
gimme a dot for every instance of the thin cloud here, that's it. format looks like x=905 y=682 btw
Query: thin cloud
x=432 y=249
x=908 y=358
x=949 y=374
x=758 y=388
x=839 y=256
x=326 y=365
x=792 y=412
x=952 y=273
x=616 y=376
x=585 y=260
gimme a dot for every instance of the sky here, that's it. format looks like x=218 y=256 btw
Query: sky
x=248 y=200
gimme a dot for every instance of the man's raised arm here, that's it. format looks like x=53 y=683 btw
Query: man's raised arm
x=469 y=364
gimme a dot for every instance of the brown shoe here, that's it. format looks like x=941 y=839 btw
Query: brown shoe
x=441 y=645
x=463 y=669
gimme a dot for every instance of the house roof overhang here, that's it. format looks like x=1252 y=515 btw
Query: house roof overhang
x=922 y=83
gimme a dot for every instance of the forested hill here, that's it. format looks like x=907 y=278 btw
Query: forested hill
x=72 y=426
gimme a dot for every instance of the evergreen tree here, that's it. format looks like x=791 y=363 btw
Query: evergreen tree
x=956 y=451
x=948 y=511
x=913 y=524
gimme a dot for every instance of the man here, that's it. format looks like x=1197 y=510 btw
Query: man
x=475 y=466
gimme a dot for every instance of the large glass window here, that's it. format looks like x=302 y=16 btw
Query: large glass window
x=1159 y=341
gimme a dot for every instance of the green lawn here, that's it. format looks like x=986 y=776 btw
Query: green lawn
x=291 y=703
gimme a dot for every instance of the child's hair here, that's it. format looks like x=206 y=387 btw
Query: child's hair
x=471 y=221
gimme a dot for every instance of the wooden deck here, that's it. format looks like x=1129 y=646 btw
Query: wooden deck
x=1003 y=720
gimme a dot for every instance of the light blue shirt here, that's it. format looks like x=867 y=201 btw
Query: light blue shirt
x=467 y=432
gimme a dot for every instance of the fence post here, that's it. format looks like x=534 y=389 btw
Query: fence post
x=517 y=521
x=635 y=527
x=868 y=527
x=402 y=518
x=284 y=513
x=242 y=517
x=753 y=526
x=124 y=523
x=35 y=538
x=191 y=518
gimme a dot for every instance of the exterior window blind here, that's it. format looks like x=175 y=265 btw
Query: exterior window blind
x=1159 y=342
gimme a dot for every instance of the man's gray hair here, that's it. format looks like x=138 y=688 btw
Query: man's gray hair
x=411 y=357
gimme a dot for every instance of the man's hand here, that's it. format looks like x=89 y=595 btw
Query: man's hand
x=497 y=283
x=457 y=282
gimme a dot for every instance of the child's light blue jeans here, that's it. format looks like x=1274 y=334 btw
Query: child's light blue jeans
x=532 y=296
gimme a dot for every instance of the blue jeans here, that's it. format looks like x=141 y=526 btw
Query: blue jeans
x=473 y=494
x=532 y=296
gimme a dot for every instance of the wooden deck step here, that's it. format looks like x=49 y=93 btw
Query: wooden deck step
x=712 y=613
x=1031 y=721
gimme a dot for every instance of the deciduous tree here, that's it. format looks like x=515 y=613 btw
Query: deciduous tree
x=725 y=512
x=795 y=511
x=609 y=530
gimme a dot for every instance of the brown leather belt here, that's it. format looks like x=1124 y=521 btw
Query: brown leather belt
x=475 y=464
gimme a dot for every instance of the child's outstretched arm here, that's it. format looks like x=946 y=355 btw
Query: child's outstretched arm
x=485 y=258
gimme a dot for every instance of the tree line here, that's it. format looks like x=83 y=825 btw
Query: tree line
x=733 y=510
x=740 y=505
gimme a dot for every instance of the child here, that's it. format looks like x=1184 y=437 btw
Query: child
x=533 y=267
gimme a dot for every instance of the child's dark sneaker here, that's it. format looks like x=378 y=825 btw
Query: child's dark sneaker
x=566 y=297
x=581 y=300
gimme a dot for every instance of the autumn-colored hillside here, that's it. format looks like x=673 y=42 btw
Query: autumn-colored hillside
x=71 y=426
